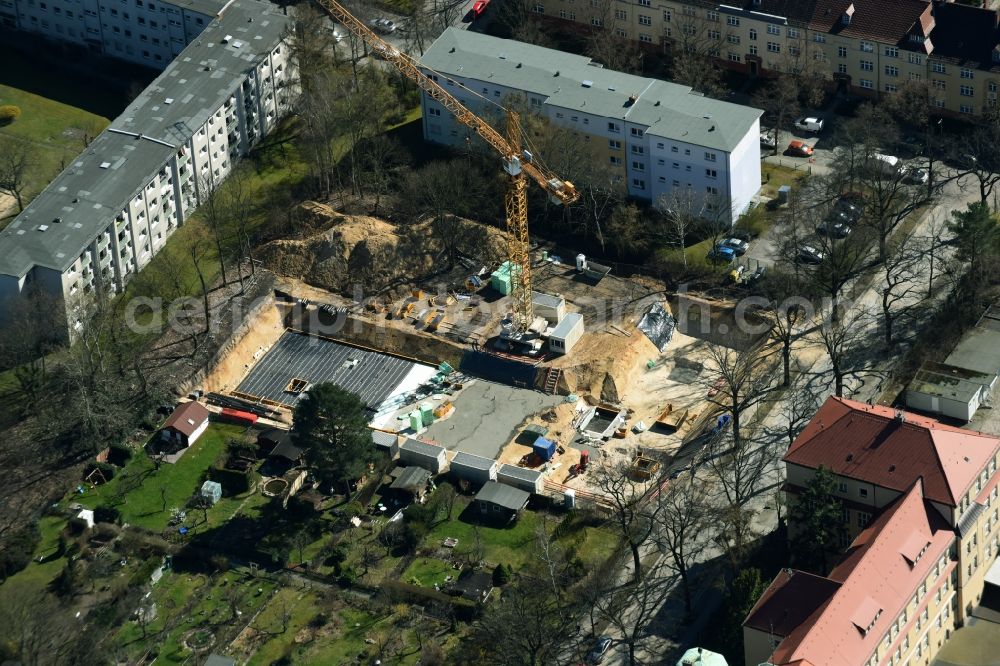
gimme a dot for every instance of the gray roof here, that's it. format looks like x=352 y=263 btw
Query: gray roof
x=385 y=440
x=568 y=323
x=508 y=497
x=546 y=300
x=941 y=380
x=421 y=448
x=470 y=461
x=515 y=472
x=87 y=197
x=207 y=7
x=979 y=349
x=577 y=83
x=317 y=360
x=206 y=73
x=411 y=478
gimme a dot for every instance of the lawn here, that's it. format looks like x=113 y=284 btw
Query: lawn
x=56 y=132
x=428 y=572
x=775 y=176
x=146 y=496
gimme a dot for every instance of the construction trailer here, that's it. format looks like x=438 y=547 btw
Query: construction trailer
x=528 y=480
x=550 y=307
x=387 y=442
x=431 y=457
x=567 y=333
x=472 y=468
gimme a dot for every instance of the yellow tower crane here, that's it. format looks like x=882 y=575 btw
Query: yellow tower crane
x=515 y=163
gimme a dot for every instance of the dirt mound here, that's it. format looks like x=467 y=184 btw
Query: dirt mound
x=373 y=253
x=605 y=363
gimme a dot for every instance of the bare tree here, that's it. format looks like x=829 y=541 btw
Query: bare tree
x=785 y=315
x=844 y=339
x=741 y=378
x=900 y=273
x=605 y=41
x=15 y=168
x=682 y=519
x=631 y=514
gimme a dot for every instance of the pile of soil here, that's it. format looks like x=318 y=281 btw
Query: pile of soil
x=605 y=363
x=360 y=250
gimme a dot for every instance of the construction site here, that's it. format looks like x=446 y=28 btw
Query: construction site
x=604 y=372
x=481 y=351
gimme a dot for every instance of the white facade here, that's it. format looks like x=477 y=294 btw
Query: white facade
x=103 y=218
x=668 y=144
x=148 y=33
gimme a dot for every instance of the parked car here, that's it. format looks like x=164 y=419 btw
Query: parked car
x=888 y=165
x=809 y=124
x=738 y=245
x=383 y=25
x=857 y=199
x=799 y=149
x=915 y=175
x=742 y=234
x=810 y=255
x=750 y=278
x=848 y=209
x=721 y=254
x=767 y=140
x=596 y=654
x=479 y=7
x=833 y=228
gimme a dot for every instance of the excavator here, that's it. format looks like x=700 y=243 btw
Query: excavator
x=516 y=163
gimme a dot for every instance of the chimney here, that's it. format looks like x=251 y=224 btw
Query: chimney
x=899 y=416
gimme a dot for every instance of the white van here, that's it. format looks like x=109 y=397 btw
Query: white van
x=887 y=164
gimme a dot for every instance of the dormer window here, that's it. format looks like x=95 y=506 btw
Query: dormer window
x=845 y=18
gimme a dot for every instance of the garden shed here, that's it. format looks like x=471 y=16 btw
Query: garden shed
x=501 y=501
x=528 y=480
x=472 y=468
x=387 y=442
x=431 y=457
x=184 y=426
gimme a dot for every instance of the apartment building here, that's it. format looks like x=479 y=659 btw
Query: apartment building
x=103 y=218
x=868 y=46
x=665 y=142
x=920 y=506
x=147 y=32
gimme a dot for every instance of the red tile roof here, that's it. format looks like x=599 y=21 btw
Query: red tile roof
x=869 y=443
x=886 y=21
x=874 y=583
x=790 y=600
x=187 y=417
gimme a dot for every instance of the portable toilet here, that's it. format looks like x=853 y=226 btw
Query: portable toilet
x=581 y=263
x=212 y=491
x=427 y=413
x=544 y=448
x=569 y=498
x=416 y=422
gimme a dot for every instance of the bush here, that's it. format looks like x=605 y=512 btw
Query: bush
x=119 y=454
x=502 y=574
x=107 y=514
x=107 y=471
x=18 y=551
x=9 y=113
x=413 y=535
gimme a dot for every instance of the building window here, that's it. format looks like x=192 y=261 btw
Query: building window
x=616 y=161
x=793 y=33
x=819 y=39
x=867 y=47
x=891 y=70
x=712 y=16
x=914 y=76
x=636 y=131
x=864 y=519
x=938 y=67
x=867 y=84
x=890 y=88
x=673 y=149
x=863 y=492
x=841 y=51
x=733 y=39
x=638 y=183
x=773 y=29
x=539 y=9
x=645 y=20
x=613 y=128
x=965 y=73
x=914 y=59
x=621 y=14
x=614 y=144
x=774 y=47
x=867 y=66
x=714 y=34
x=596 y=22
x=753 y=34
x=734 y=57
x=842 y=68
x=891 y=52
x=638 y=166
x=939 y=84
x=666 y=16
x=711 y=173
x=966 y=91
x=733 y=21
x=965 y=108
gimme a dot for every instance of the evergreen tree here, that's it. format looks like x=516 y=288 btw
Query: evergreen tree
x=331 y=426
x=817 y=522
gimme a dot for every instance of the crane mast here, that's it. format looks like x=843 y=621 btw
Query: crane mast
x=515 y=163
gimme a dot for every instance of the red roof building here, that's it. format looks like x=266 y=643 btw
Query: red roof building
x=887 y=595
x=920 y=501
x=185 y=425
